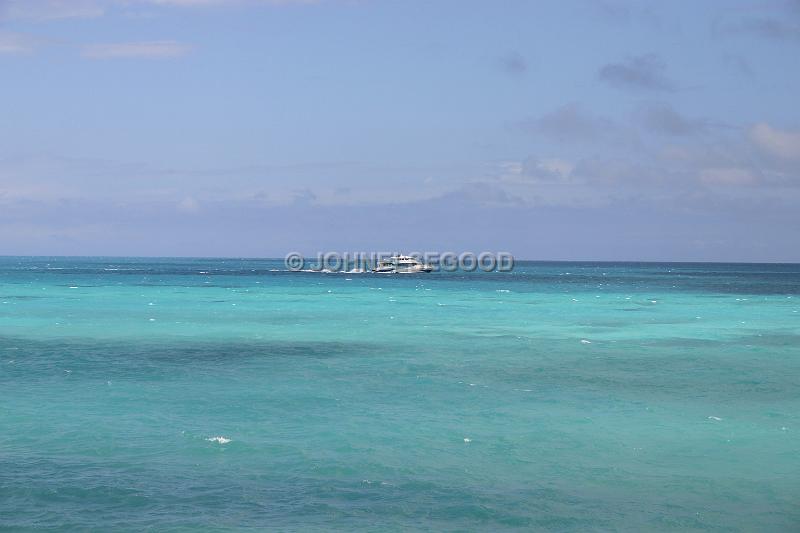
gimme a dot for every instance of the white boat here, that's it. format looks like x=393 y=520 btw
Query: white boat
x=401 y=264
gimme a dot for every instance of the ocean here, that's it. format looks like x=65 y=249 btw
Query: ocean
x=231 y=394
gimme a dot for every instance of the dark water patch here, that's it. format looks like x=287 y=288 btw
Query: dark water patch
x=141 y=359
x=48 y=492
x=52 y=492
x=734 y=369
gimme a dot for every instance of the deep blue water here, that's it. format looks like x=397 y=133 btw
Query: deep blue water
x=231 y=394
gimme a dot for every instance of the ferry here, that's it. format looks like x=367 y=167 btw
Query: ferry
x=401 y=264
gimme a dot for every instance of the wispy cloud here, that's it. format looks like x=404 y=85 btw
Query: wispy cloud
x=52 y=9
x=777 y=142
x=143 y=49
x=193 y=3
x=623 y=13
x=546 y=169
x=16 y=43
x=188 y=205
x=728 y=176
x=768 y=28
x=570 y=123
x=513 y=64
x=644 y=72
x=662 y=118
x=65 y=9
x=740 y=65
x=778 y=21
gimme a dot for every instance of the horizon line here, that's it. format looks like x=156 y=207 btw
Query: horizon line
x=516 y=259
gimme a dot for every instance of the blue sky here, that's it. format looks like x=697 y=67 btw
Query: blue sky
x=554 y=130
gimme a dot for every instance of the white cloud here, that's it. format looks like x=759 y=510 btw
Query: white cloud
x=781 y=143
x=559 y=167
x=191 y=3
x=15 y=43
x=53 y=9
x=546 y=169
x=727 y=176
x=188 y=205
x=532 y=170
x=64 y=9
x=144 y=49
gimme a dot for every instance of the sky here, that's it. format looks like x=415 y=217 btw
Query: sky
x=554 y=130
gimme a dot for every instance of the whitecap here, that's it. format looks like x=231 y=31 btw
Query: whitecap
x=503 y=290
x=584 y=341
x=467 y=440
x=220 y=440
x=714 y=418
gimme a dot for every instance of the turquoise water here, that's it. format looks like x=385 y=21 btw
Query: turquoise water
x=228 y=394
